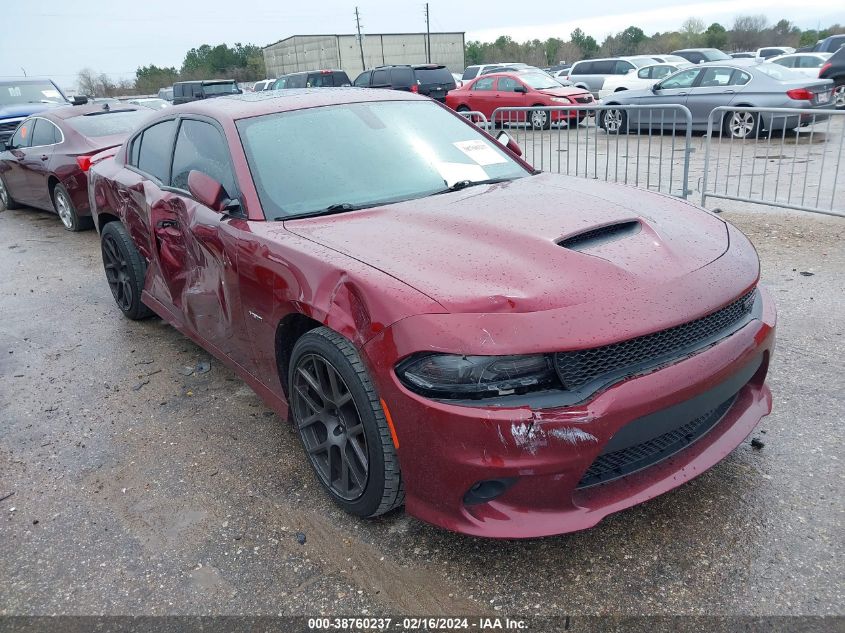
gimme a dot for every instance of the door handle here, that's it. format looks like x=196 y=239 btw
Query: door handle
x=44 y=157
x=730 y=92
x=682 y=94
x=167 y=224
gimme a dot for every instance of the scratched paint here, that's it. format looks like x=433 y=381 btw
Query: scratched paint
x=573 y=436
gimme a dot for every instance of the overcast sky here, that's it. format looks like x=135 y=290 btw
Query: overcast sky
x=57 y=38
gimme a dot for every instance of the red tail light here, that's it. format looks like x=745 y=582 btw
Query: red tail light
x=84 y=162
x=415 y=88
x=800 y=94
x=824 y=68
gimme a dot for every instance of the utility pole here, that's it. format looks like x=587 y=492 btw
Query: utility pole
x=360 y=39
x=427 y=34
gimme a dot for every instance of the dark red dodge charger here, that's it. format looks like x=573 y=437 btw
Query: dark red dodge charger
x=507 y=353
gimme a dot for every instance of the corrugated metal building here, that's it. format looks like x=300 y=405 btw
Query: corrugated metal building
x=313 y=52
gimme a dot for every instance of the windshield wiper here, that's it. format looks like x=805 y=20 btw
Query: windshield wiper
x=463 y=184
x=332 y=209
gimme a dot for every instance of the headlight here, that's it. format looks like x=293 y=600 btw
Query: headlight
x=455 y=376
x=560 y=100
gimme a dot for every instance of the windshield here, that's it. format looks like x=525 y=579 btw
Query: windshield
x=781 y=73
x=22 y=91
x=538 y=81
x=365 y=154
x=108 y=123
x=714 y=55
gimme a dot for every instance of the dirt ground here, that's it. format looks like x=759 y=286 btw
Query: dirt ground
x=147 y=479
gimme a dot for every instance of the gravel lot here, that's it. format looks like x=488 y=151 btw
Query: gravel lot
x=142 y=487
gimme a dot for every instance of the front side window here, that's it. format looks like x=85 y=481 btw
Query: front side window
x=201 y=147
x=645 y=73
x=365 y=154
x=622 y=67
x=154 y=153
x=485 y=83
x=506 y=84
x=45 y=133
x=23 y=135
x=659 y=72
x=363 y=80
x=683 y=79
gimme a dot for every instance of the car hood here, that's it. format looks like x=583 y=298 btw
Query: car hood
x=494 y=248
x=23 y=109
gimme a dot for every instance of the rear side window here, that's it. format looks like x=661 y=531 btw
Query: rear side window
x=45 y=133
x=604 y=67
x=789 y=62
x=296 y=81
x=581 y=68
x=363 y=80
x=485 y=83
x=401 y=77
x=154 y=154
x=201 y=147
x=380 y=78
x=740 y=78
x=470 y=73
x=434 y=76
x=808 y=61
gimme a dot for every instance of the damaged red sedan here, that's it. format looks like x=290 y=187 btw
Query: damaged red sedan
x=509 y=354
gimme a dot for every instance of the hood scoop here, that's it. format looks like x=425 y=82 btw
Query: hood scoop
x=596 y=237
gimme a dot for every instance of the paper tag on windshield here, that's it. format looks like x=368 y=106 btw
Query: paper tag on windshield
x=480 y=152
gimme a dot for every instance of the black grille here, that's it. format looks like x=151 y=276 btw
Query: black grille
x=601 y=234
x=623 y=462
x=584 y=99
x=617 y=360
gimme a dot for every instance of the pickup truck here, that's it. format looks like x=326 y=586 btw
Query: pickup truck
x=25 y=96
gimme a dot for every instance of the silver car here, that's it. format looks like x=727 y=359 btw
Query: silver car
x=590 y=74
x=729 y=83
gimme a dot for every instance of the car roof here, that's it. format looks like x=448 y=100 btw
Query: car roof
x=308 y=72
x=251 y=104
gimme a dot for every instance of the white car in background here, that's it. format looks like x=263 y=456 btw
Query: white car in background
x=640 y=78
x=805 y=63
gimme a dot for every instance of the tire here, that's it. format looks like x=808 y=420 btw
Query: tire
x=66 y=211
x=839 y=95
x=125 y=270
x=613 y=121
x=741 y=125
x=539 y=119
x=6 y=200
x=325 y=359
x=575 y=122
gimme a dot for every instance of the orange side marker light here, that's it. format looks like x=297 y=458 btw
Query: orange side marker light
x=389 y=419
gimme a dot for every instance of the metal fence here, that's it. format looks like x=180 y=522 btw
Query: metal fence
x=594 y=142
x=776 y=156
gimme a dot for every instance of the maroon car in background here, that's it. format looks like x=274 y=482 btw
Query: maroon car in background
x=46 y=161
x=521 y=90
x=510 y=354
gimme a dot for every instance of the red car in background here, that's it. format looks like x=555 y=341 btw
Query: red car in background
x=521 y=90
x=45 y=163
x=509 y=353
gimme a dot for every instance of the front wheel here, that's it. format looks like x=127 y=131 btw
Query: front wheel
x=614 y=121
x=125 y=270
x=342 y=425
x=6 y=200
x=741 y=124
x=540 y=119
x=67 y=211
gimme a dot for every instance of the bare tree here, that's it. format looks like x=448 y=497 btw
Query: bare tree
x=748 y=32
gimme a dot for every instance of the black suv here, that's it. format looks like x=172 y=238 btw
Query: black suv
x=431 y=80
x=834 y=68
x=313 y=79
x=187 y=91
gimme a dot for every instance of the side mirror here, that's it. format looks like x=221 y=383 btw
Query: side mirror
x=655 y=88
x=79 y=100
x=521 y=89
x=505 y=139
x=209 y=192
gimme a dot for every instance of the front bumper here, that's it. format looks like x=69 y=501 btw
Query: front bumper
x=544 y=453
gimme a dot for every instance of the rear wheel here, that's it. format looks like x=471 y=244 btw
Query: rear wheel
x=125 y=270
x=342 y=425
x=741 y=124
x=6 y=200
x=67 y=211
x=839 y=96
